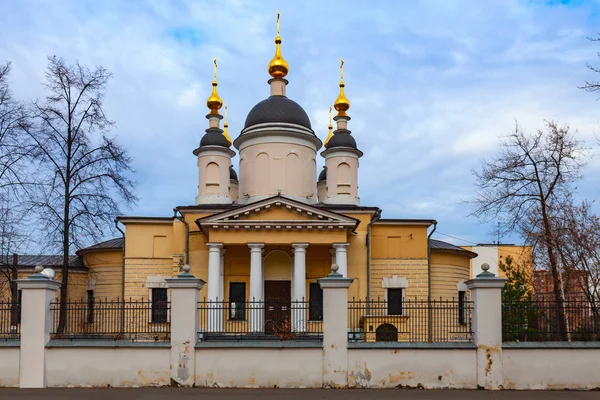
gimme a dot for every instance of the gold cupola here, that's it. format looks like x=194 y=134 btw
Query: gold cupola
x=341 y=103
x=226 y=128
x=214 y=102
x=330 y=130
x=278 y=67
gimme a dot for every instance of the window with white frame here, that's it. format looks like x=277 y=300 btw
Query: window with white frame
x=395 y=289
x=158 y=298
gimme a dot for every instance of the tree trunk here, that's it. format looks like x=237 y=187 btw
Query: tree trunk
x=559 y=295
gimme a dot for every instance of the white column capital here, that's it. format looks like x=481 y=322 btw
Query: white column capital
x=214 y=246
x=300 y=247
x=340 y=246
x=256 y=246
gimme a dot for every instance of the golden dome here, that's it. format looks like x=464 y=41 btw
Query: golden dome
x=278 y=67
x=225 y=128
x=330 y=130
x=214 y=102
x=342 y=104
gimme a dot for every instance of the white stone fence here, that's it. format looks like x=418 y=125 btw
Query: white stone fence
x=36 y=361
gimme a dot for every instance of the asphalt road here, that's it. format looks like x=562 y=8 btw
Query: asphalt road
x=287 y=394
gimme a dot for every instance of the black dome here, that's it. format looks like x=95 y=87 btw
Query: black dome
x=322 y=175
x=214 y=137
x=232 y=174
x=341 y=138
x=277 y=109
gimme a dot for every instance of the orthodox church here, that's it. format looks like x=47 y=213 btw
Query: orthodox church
x=268 y=231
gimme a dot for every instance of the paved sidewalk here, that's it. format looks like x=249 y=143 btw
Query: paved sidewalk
x=286 y=394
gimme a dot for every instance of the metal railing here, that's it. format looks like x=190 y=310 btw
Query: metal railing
x=135 y=320
x=412 y=320
x=540 y=321
x=278 y=320
x=10 y=320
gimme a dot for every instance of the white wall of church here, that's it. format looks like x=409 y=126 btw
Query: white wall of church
x=286 y=168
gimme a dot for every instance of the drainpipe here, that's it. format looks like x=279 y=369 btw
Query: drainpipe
x=374 y=218
x=429 y=319
x=122 y=278
x=187 y=234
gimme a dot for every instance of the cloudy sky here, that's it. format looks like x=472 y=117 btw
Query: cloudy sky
x=433 y=84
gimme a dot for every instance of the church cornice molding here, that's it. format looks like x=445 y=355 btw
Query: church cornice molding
x=319 y=219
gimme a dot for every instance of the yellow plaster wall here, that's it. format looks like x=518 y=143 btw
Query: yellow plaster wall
x=77 y=283
x=149 y=240
x=398 y=241
x=399 y=250
x=105 y=268
x=277 y=214
x=447 y=269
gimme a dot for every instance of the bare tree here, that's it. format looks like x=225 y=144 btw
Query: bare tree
x=13 y=115
x=82 y=172
x=579 y=249
x=526 y=184
x=593 y=86
x=12 y=240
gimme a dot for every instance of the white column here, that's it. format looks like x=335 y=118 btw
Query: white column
x=486 y=290
x=299 y=310
x=36 y=324
x=341 y=258
x=256 y=287
x=185 y=292
x=215 y=312
x=222 y=276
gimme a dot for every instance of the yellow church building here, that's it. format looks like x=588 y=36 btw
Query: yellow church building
x=267 y=232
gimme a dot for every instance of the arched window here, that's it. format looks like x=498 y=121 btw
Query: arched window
x=212 y=177
x=343 y=178
x=292 y=172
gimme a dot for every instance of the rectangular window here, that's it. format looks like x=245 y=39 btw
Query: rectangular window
x=237 y=300
x=394 y=298
x=90 y=307
x=159 y=305
x=315 y=303
x=462 y=316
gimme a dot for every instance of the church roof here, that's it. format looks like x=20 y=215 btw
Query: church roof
x=277 y=109
x=32 y=260
x=445 y=246
x=116 y=243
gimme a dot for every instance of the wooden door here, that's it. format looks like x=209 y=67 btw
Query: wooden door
x=278 y=296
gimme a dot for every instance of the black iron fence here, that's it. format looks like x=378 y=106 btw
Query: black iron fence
x=136 y=320
x=413 y=320
x=260 y=320
x=546 y=320
x=10 y=320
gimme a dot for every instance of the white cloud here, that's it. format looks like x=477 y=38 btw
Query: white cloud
x=432 y=85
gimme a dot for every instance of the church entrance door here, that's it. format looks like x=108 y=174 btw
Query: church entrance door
x=278 y=296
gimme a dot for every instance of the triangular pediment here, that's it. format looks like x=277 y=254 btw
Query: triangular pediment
x=278 y=213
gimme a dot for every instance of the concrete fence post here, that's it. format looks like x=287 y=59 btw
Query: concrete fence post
x=185 y=293
x=335 y=329
x=486 y=291
x=37 y=323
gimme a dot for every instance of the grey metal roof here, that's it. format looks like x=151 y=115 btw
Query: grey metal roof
x=116 y=243
x=439 y=245
x=277 y=109
x=32 y=260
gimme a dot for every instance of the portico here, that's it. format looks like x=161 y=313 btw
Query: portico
x=275 y=273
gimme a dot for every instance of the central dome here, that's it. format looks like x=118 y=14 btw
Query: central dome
x=277 y=109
